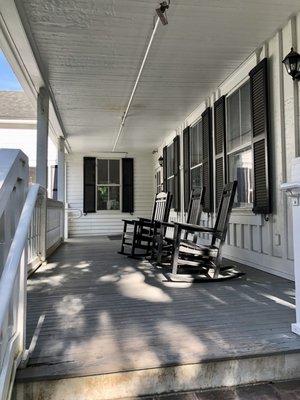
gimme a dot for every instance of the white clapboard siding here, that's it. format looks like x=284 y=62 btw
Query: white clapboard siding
x=108 y=222
x=264 y=244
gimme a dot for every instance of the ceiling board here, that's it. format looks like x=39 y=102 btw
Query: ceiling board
x=91 y=51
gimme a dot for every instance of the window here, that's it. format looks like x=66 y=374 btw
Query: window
x=196 y=151
x=108 y=184
x=170 y=170
x=239 y=150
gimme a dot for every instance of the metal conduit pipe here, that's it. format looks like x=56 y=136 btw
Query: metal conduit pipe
x=136 y=84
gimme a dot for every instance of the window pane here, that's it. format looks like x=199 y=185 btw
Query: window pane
x=196 y=178
x=114 y=198
x=114 y=171
x=170 y=188
x=240 y=169
x=200 y=142
x=102 y=166
x=245 y=113
x=233 y=117
x=196 y=144
x=170 y=160
x=102 y=197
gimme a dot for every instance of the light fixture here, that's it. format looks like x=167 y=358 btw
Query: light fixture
x=161 y=11
x=161 y=161
x=292 y=64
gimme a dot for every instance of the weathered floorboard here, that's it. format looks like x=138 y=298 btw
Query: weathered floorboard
x=107 y=313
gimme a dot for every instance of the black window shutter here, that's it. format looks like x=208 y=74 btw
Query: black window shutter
x=261 y=147
x=127 y=185
x=207 y=161
x=176 y=146
x=165 y=161
x=89 y=185
x=220 y=148
x=186 y=167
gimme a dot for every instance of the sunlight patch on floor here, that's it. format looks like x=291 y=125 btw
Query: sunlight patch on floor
x=180 y=339
x=71 y=308
x=135 y=287
x=279 y=301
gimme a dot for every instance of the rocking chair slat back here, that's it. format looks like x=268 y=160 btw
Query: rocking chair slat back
x=224 y=211
x=161 y=209
x=195 y=206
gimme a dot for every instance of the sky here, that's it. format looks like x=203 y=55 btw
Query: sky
x=8 y=80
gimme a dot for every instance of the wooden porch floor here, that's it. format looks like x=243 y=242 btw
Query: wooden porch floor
x=106 y=313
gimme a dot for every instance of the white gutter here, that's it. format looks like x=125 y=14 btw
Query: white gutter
x=136 y=84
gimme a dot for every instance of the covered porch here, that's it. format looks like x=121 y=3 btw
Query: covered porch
x=136 y=108
x=118 y=328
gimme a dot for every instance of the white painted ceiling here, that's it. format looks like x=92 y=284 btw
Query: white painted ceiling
x=91 y=51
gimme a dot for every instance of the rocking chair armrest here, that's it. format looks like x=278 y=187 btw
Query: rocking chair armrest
x=195 y=228
x=149 y=224
x=129 y=221
x=168 y=224
x=145 y=219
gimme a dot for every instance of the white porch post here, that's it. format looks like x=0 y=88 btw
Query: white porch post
x=61 y=196
x=61 y=185
x=296 y=235
x=293 y=190
x=42 y=137
x=42 y=160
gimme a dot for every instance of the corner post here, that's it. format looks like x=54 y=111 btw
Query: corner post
x=42 y=137
x=42 y=161
x=61 y=185
x=292 y=189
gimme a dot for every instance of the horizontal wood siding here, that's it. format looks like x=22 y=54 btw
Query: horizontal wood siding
x=108 y=222
x=264 y=244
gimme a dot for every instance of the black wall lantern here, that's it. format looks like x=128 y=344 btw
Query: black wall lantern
x=161 y=161
x=292 y=64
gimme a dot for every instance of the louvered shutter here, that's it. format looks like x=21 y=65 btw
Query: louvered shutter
x=127 y=185
x=165 y=162
x=220 y=148
x=207 y=161
x=261 y=138
x=186 y=167
x=176 y=146
x=89 y=185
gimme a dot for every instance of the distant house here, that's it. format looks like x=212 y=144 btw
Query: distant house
x=18 y=130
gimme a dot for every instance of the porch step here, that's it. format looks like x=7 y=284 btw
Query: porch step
x=209 y=374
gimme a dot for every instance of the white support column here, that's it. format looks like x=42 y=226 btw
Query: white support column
x=292 y=189
x=61 y=185
x=42 y=137
x=61 y=196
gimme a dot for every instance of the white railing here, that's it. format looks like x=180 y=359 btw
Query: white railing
x=44 y=239
x=36 y=237
x=13 y=294
x=55 y=225
x=31 y=227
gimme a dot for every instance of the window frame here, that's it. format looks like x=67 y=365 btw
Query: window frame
x=242 y=147
x=120 y=185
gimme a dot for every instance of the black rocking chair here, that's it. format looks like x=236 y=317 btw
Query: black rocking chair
x=164 y=240
x=143 y=229
x=205 y=260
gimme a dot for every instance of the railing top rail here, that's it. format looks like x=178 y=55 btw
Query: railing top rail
x=11 y=163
